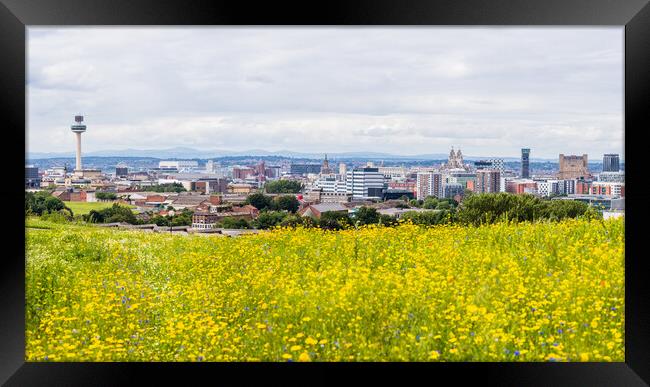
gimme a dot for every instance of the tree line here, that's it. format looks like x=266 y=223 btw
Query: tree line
x=476 y=209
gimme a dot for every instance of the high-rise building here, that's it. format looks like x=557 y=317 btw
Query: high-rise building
x=32 y=178
x=573 y=167
x=488 y=180
x=611 y=163
x=429 y=184
x=365 y=183
x=525 y=163
x=77 y=129
x=121 y=170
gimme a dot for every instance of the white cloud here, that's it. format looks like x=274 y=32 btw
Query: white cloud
x=398 y=90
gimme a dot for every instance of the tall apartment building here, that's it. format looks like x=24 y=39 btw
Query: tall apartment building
x=493 y=164
x=573 y=167
x=611 y=163
x=525 y=163
x=365 y=183
x=429 y=184
x=488 y=180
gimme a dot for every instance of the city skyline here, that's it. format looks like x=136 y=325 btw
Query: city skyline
x=401 y=91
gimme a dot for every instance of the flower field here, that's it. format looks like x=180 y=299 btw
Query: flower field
x=502 y=292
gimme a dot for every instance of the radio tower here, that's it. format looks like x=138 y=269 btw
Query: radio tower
x=78 y=128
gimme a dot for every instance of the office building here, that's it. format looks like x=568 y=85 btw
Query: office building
x=32 y=178
x=365 y=183
x=611 y=163
x=525 y=163
x=331 y=184
x=121 y=170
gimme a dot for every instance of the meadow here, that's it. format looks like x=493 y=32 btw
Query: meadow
x=81 y=208
x=504 y=292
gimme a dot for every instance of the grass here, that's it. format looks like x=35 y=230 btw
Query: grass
x=80 y=208
x=503 y=292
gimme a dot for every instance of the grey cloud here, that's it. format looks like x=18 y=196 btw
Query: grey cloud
x=493 y=89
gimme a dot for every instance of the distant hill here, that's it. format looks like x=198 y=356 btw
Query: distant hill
x=190 y=153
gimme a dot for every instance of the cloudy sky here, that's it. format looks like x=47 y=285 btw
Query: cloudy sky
x=490 y=91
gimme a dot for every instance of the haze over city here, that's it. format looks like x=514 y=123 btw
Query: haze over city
x=402 y=91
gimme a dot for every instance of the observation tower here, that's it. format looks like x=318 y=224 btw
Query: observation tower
x=77 y=128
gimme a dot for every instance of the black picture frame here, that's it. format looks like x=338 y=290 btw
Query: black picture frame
x=634 y=15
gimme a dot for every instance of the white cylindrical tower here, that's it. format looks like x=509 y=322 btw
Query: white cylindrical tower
x=77 y=129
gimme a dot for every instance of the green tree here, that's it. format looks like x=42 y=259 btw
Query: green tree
x=443 y=205
x=269 y=219
x=168 y=187
x=115 y=213
x=283 y=186
x=366 y=215
x=287 y=203
x=259 y=201
x=416 y=203
x=106 y=196
x=387 y=220
x=292 y=220
x=430 y=202
x=333 y=220
x=428 y=218
x=43 y=202
x=231 y=222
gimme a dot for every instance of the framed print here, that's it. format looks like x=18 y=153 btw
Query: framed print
x=220 y=189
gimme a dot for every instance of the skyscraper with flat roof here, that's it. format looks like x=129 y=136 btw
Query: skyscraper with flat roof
x=525 y=163
x=610 y=163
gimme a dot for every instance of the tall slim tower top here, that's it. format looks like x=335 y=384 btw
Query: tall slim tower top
x=78 y=126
